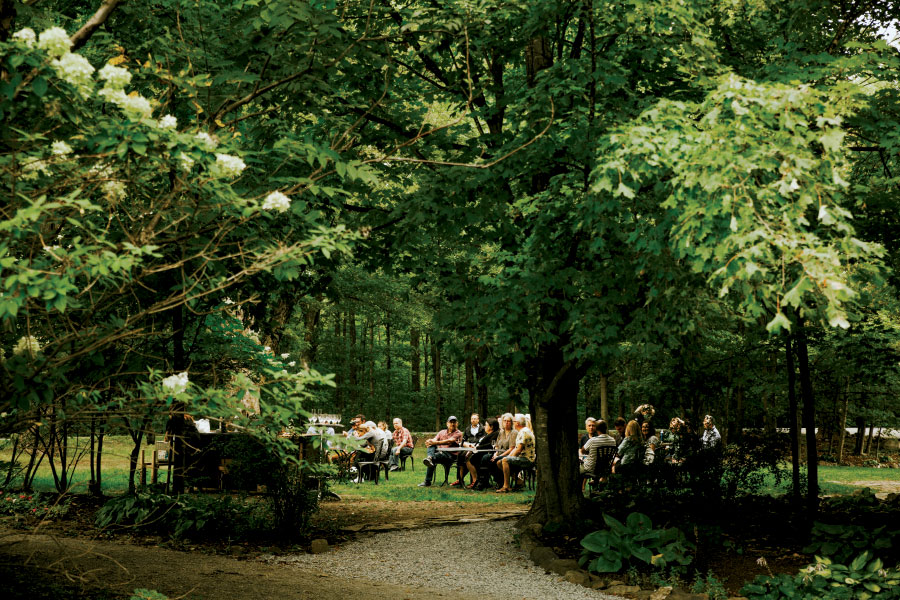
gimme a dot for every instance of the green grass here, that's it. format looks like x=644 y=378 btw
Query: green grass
x=404 y=487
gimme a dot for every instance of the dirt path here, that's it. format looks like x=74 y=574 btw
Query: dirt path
x=120 y=568
x=880 y=487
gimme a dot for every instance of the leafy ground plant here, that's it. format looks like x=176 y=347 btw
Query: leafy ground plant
x=864 y=579
x=841 y=542
x=609 y=550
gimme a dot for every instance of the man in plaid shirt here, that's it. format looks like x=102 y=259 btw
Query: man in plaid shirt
x=403 y=444
x=446 y=438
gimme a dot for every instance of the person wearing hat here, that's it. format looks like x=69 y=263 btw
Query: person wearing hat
x=446 y=438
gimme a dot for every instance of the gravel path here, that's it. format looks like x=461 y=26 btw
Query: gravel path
x=473 y=559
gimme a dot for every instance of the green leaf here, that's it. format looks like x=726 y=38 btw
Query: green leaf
x=775 y=326
x=39 y=87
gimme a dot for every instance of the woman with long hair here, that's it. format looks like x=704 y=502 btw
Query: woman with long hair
x=630 y=451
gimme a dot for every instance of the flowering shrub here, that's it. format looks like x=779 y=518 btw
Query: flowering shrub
x=30 y=505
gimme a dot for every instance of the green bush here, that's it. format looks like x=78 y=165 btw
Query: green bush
x=31 y=505
x=184 y=516
x=841 y=542
x=610 y=550
x=864 y=579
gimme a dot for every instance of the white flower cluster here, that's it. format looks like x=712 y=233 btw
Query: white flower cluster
x=116 y=78
x=176 y=383
x=27 y=344
x=206 y=141
x=26 y=36
x=32 y=166
x=77 y=71
x=227 y=166
x=168 y=122
x=114 y=190
x=186 y=162
x=134 y=105
x=276 y=201
x=60 y=148
x=54 y=41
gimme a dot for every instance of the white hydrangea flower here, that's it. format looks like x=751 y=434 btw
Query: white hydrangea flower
x=26 y=36
x=187 y=163
x=285 y=355
x=206 y=141
x=113 y=190
x=27 y=344
x=54 y=41
x=228 y=301
x=267 y=349
x=293 y=363
x=136 y=106
x=176 y=383
x=76 y=70
x=276 y=201
x=60 y=148
x=116 y=78
x=168 y=122
x=227 y=166
x=33 y=166
x=111 y=95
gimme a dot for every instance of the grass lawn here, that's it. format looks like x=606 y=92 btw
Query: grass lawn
x=403 y=485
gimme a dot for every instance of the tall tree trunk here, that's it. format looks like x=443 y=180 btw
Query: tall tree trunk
x=438 y=398
x=792 y=415
x=338 y=364
x=553 y=404
x=809 y=421
x=871 y=433
x=481 y=383
x=387 y=341
x=364 y=356
x=604 y=397
x=372 y=362
x=414 y=359
x=426 y=354
x=470 y=383
x=844 y=421
x=353 y=360
x=177 y=424
x=312 y=313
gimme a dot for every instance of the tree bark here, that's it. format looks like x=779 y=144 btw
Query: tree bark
x=604 y=397
x=481 y=383
x=809 y=421
x=844 y=422
x=387 y=340
x=792 y=415
x=338 y=364
x=352 y=360
x=470 y=383
x=553 y=404
x=80 y=37
x=438 y=398
x=414 y=359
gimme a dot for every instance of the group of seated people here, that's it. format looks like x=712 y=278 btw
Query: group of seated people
x=501 y=448
x=636 y=443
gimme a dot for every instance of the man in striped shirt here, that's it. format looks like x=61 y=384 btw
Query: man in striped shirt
x=403 y=444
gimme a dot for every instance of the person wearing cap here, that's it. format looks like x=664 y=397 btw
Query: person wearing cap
x=446 y=438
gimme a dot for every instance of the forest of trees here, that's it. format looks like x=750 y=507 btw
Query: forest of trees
x=560 y=208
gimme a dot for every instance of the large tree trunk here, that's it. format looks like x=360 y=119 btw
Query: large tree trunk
x=387 y=341
x=809 y=421
x=604 y=397
x=481 y=384
x=792 y=416
x=844 y=422
x=438 y=398
x=470 y=384
x=352 y=360
x=414 y=359
x=553 y=392
x=338 y=364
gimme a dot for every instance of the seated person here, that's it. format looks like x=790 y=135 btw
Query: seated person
x=630 y=451
x=480 y=459
x=618 y=433
x=598 y=441
x=590 y=427
x=446 y=438
x=506 y=441
x=471 y=435
x=522 y=456
x=403 y=444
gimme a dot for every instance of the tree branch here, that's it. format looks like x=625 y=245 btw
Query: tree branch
x=80 y=37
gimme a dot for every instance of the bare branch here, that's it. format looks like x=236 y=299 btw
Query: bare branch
x=80 y=37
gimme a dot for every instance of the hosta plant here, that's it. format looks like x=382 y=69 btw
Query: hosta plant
x=632 y=543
